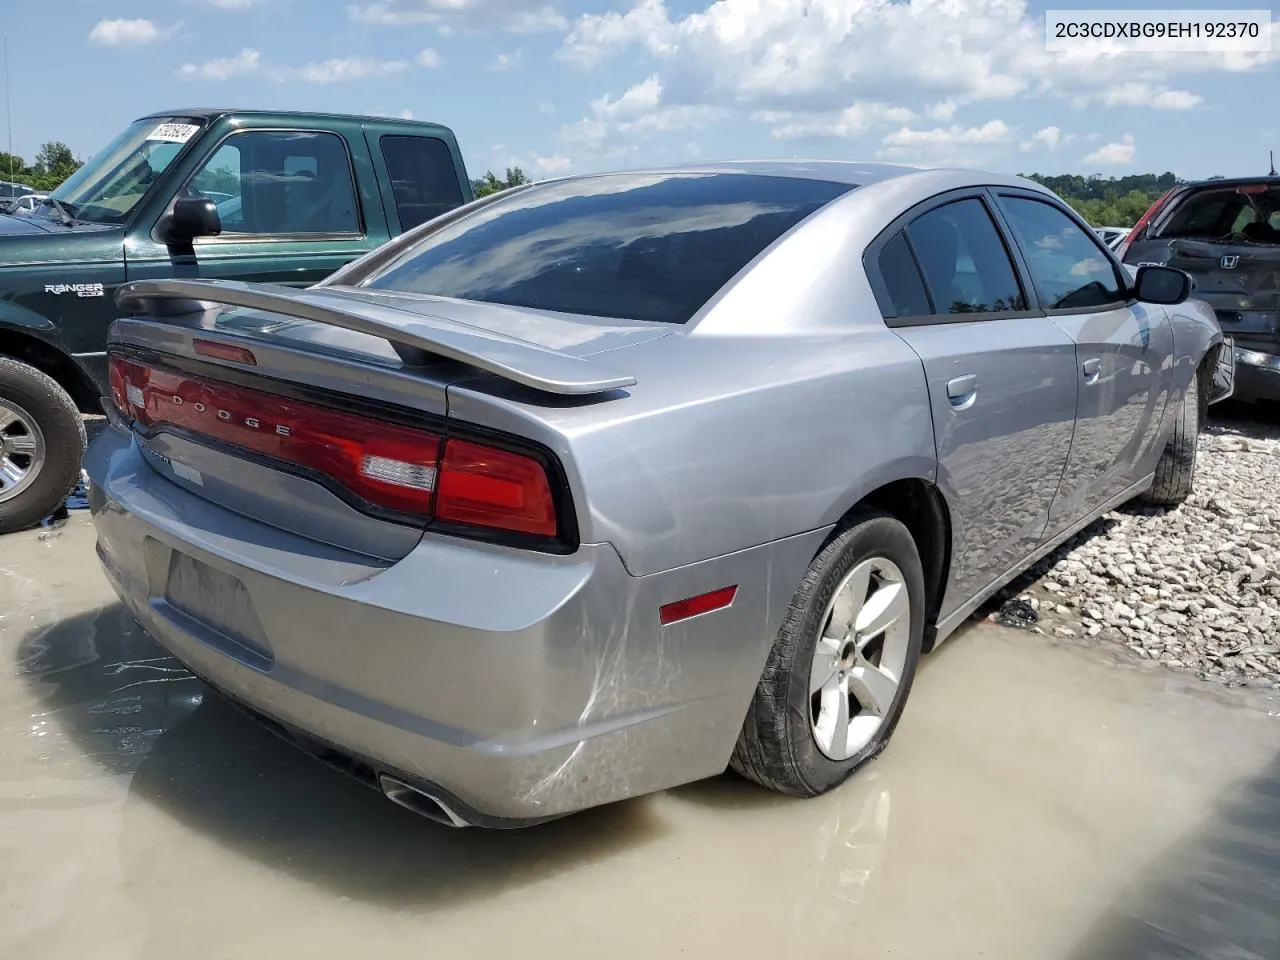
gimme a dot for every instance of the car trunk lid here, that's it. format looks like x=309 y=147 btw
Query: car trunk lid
x=325 y=412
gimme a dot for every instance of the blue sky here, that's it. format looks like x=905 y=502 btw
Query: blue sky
x=578 y=85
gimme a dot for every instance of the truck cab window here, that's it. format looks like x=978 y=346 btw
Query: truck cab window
x=280 y=183
x=423 y=178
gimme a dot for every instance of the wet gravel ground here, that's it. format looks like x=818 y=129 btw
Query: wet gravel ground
x=1196 y=588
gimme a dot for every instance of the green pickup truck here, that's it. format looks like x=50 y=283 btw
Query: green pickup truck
x=283 y=198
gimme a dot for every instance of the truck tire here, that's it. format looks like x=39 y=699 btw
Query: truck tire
x=1176 y=469
x=831 y=693
x=42 y=439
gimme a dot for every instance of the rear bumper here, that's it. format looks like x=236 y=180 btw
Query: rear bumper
x=521 y=685
x=1257 y=375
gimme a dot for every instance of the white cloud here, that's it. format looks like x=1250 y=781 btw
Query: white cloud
x=1113 y=154
x=821 y=55
x=508 y=61
x=233 y=4
x=513 y=16
x=339 y=70
x=246 y=61
x=1176 y=100
x=942 y=111
x=406 y=114
x=845 y=124
x=1051 y=137
x=553 y=166
x=956 y=145
x=1133 y=94
x=641 y=99
x=993 y=131
x=429 y=58
x=249 y=61
x=126 y=33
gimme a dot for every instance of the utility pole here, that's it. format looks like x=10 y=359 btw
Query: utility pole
x=8 y=106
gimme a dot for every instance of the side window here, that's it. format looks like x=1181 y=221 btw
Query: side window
x=1069 y=269
x=423 y=178
x=965 y=263
x=280 y=183
x=902 y=281
x=219 y=181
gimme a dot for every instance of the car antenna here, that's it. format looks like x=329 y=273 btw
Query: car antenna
x=1272 y=154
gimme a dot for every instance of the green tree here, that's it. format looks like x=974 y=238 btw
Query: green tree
x=12 y=166
x=54 y=163
x=1109 y=201
x=489 y=183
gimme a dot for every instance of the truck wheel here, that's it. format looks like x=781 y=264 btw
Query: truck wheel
x=1176 y=469
x=841 y=667
x=41 y=441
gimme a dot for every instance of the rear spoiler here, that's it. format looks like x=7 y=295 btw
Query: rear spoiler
x=415 y=337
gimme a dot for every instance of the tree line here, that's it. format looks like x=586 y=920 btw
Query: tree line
x=1110 y=201
x=54 y=162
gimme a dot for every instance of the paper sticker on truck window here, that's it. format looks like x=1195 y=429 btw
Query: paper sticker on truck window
x=173 y=132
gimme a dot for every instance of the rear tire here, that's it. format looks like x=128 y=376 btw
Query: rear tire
x=1176 y=470
x=42 y=439
x=791 y=741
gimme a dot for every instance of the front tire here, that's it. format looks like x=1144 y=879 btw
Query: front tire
x=42 y=439
x=842 y=666
x=1176 y=469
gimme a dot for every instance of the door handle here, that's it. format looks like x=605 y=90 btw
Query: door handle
x=962 y=391
x=1090 y=369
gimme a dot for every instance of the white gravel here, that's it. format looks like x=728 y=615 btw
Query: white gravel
x=1196 y=588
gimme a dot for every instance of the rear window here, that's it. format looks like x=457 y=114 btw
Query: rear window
x=423 y=179
x=1250 y=211
x=632 y=246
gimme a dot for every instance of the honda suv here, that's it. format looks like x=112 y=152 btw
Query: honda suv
x=1226 y=234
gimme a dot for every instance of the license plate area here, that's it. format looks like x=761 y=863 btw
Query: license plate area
x=207 y=603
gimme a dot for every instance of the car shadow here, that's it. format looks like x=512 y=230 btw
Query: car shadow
x=137 y=711
x=1216 y=894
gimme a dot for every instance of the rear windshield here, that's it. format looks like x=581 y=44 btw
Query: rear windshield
x=1249 y=212
x=632 y=246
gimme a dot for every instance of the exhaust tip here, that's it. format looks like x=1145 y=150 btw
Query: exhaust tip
x=419 y=802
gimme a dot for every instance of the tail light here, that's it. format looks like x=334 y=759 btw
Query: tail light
x=419 y=473
x=1123 y=246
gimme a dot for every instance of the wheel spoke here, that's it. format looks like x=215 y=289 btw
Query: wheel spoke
x=7 y=418
x=826 y=656
x=21 y=443
x=834 y=721
x=848 y=603
x=882 y=610
x=10 y=474
x=873 y=687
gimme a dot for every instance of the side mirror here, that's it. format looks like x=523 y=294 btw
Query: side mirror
x=1161 y=285
x=193 y=217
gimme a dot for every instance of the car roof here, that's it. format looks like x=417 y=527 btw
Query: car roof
x=213 y=113
x=1230 y=182
x=855 y=173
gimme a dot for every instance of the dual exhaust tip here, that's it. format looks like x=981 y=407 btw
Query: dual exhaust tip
x=420 y=802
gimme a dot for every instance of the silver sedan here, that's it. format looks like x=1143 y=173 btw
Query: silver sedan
x=604 y=484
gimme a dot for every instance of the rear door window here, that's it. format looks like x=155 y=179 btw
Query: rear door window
x=653 y=246
x=424 y=181
x=1067 y=263
x=964 y=260
x=903 y=283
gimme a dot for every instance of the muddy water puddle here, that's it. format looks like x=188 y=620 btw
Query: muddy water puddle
x=1037 y=802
